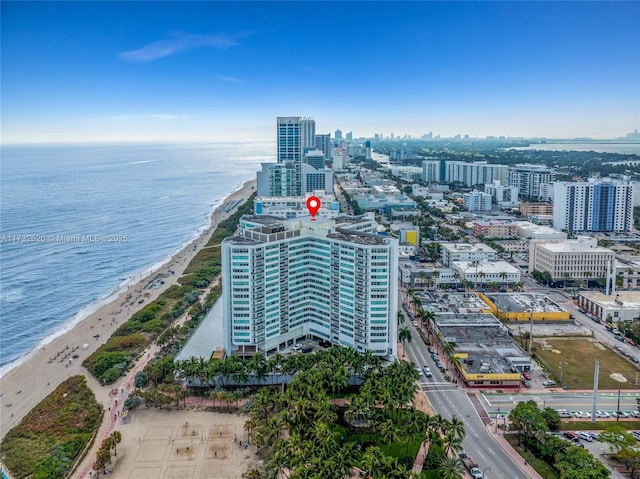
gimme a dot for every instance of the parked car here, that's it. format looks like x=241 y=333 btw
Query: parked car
x=635 y=413
x=585 y=435
x=415 y=323
x=636 y=434
x=583 y=414
x=572 y=436
x=594 y=435
x=527 y=376
x=564 y=413
x=297 y=347
x=307 y=349
x=602 y=414
x=430 y=349
x=621 y=414
x=549 y=383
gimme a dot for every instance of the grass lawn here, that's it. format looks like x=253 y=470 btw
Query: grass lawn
x=598 y=426
x=542 y=467
x=581 y=356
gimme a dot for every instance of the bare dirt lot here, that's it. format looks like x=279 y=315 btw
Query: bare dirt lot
x=191 y=444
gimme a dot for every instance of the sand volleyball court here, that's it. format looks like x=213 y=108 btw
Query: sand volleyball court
x=191 y=444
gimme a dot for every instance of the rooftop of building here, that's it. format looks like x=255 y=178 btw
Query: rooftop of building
x=620 y=300
x=523 y=302
x=486 y=267
x=468 y=247
x=483 y=338
x=463 y=303
x=357 y=237
x=575 y=246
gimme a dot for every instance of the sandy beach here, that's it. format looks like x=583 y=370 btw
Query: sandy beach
x=27 y=384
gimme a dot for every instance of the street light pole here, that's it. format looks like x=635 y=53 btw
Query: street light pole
x=618 y=408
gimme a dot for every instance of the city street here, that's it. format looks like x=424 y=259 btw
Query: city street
x=448 y=400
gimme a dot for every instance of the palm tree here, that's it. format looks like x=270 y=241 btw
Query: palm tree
x=587 y=275
x=103 y=457
x=389 y=432
x=503 y=276
x=117 y=438
x=404 y=335
x=108 y=443
x=451 y=468
x=451 y=442
x=435 y=275
x=457 y=426
x=482 y=275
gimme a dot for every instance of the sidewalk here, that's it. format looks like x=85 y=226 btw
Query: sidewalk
x=511 y=452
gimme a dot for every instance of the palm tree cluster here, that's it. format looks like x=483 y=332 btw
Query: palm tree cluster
x=301 y=433
x=103 y=456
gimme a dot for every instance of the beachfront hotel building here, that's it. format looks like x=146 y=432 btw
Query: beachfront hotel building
x=332 y=279
x=593 y=206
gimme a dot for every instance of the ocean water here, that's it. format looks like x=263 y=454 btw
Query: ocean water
x=79 y=222
x=604 y=147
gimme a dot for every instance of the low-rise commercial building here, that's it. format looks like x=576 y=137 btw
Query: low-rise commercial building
x=524 y=307
x=466 y=252
x=495 y=229
x=295 y=206
x=483 y=273
x=624 y=306
x=485 y=355
x=415 y=275
x=532 y=231
x=535 y=209
x=575 y=259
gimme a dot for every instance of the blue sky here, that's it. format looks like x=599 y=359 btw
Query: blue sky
x=211 y=71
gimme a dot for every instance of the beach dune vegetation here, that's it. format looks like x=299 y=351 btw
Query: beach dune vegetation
x=50 y=438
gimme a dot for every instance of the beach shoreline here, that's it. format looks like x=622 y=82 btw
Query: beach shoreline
x=39 y=372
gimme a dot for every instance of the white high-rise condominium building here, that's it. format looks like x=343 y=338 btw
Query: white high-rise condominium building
x=472 y=174
x=528 y=178
x=431 y=171
x=330 y=278
x=477 y=201
x=593 y=206
x=289 y=139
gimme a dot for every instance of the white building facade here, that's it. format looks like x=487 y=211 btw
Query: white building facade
x=288 y=279
x=576 y=259
x=593 y=206
x=528 y=178
x=476 y=201
x=466 y=252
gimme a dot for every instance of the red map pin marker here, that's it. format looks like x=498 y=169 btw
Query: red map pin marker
x=313 y=205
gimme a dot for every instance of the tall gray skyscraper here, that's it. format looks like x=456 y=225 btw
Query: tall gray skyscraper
x=308 y=134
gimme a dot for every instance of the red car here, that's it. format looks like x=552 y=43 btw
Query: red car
x=527 y=376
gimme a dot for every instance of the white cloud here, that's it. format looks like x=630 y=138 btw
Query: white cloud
x=228 y=79
x=177 y=42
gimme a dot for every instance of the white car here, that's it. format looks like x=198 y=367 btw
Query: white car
x=635 y=413
x=297 y=347
x=415 y=323
x=583 y=414
x=564 y=413
x=584 y=435
x=602 y=414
